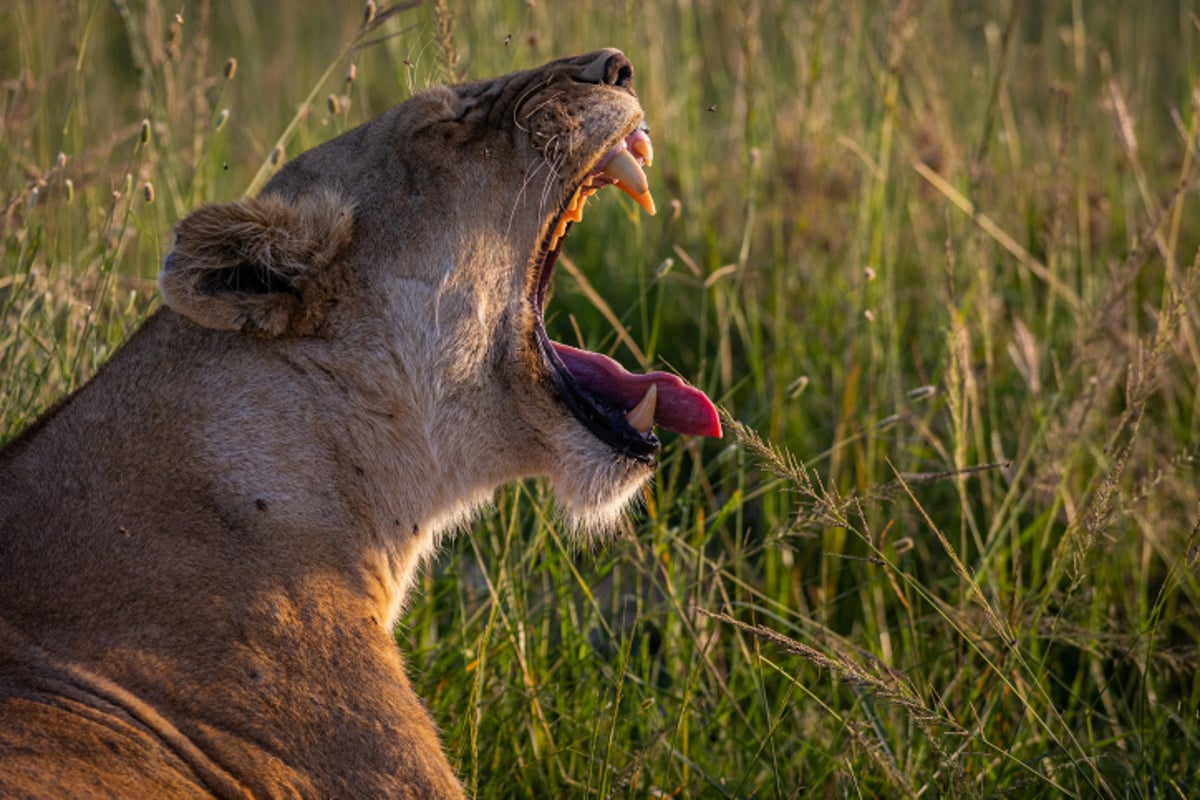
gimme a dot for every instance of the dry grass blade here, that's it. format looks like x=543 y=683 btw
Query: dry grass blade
x=381 y=16
x=597 y=300
x=1002 y=237
x=863 y=672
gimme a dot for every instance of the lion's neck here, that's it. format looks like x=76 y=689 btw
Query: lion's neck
x=285 y=558
x=280 y=469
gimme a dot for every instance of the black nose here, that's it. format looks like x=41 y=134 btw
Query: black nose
x=618 y=71
x=609 y=67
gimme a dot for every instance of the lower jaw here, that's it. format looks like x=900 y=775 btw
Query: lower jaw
x=593 y=413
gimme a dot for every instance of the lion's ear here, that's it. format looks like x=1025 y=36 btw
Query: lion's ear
x=250 y=265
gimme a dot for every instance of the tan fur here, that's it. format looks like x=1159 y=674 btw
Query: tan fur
x=204 y=549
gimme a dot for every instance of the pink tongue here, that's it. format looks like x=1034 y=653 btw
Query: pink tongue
x=680 y=408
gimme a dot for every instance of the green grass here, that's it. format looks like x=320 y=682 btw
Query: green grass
x=939 y=262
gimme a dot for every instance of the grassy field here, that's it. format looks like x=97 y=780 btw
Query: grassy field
x=939 y=263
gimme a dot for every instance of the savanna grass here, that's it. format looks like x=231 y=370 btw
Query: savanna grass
x=937 y=260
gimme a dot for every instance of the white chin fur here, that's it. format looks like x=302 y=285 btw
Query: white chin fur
x=594 y=487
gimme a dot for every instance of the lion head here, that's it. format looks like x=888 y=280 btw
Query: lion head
x=414 y=253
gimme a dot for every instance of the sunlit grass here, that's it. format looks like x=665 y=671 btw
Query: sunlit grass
x=936 y=260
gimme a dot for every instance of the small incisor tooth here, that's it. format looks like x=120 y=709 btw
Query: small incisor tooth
x=641 y=418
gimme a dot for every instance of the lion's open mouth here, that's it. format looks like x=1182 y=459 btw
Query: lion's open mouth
x=619 y=407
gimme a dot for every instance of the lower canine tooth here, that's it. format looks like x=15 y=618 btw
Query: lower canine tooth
x=641 y=418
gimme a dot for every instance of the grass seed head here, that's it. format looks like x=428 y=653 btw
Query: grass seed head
x=175 y=38
x=222 y=118
x=339 y=104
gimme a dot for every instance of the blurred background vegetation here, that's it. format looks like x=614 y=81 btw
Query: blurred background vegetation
x=938 y=261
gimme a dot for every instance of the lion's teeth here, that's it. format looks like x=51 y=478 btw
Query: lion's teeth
x=644 y=199
x=559 y=231
x=642 y=148
x=629 y=176
x=627 y=173
x=641 y=418
x=574 y=212
x=624 y=167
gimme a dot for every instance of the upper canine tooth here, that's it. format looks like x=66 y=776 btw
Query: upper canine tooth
x=641 y=418
x=630 y=179
x=624 y=168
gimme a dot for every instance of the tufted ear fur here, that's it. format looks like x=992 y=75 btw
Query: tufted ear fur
x=257 y=265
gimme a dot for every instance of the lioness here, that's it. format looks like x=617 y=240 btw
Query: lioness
x=204 y=549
